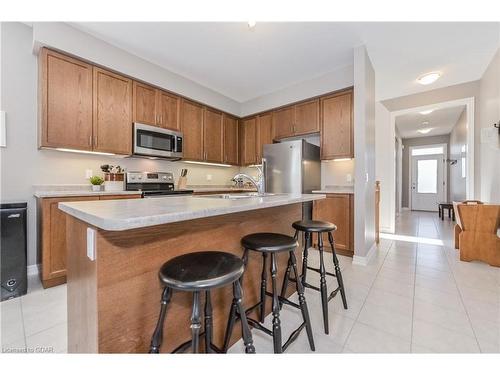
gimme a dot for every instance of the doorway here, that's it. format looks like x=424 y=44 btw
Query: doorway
x=428 y=177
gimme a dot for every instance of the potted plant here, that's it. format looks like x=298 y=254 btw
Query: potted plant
x=96 y=182
x=114 y=177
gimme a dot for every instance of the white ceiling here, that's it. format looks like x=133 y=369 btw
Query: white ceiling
x=441 y=120
x=243 y=64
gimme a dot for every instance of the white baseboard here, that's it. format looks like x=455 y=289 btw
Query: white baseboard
x=33 y=270
x=405 y=208
x=363 y=261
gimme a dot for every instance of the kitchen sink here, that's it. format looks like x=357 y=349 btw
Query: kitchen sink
x=236 y=196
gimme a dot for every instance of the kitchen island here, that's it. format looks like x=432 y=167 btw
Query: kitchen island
x=115 y=249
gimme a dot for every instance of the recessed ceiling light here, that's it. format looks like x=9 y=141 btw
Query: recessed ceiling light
x=251 y=24
x=424 y=131
x=425 y=123
x=427 y=112
x=428 y=78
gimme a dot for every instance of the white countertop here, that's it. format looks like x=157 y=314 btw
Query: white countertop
x=335 y=190
x=117 y=215
x=79 y=193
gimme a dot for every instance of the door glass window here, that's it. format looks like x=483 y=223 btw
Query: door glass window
x=427 y=176
x=427 y=151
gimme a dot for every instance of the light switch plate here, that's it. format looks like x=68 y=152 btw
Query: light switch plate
x=91 y=250
x=209 y=177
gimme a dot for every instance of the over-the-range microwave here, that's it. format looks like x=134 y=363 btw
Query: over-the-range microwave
x=150 y=141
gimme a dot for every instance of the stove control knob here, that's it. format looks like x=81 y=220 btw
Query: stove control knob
x=164 y=177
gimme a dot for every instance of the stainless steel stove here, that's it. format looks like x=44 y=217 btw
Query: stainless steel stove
x=153 y=184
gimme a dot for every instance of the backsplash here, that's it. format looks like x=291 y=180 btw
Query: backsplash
x=336 y=172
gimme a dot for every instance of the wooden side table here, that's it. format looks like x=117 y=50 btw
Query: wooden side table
x=446 y=206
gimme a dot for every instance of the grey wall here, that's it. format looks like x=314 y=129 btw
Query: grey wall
x=23 y=165
x=458 y=143
x=419 y=141
x=364 y=153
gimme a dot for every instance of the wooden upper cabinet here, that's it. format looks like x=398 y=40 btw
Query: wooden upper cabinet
x=112 y=112
x=337 y=209
x=306 y=117
x=231 y=143
x=213 y=136
x=145 y=103
x=337 y=126
x=168 y=111
x=283 y=120
x=264 y=134
x=192 y=128
x=248 y=137
x=65 y=96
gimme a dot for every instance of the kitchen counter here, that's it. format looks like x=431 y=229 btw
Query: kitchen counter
x=335 y=190
x=115 y=249
x=209 y=189
x=138 y=213
x=73 y=190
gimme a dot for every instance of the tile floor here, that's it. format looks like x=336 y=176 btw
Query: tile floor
x=415 y=296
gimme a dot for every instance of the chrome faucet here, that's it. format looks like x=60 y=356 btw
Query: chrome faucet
x=259 y=183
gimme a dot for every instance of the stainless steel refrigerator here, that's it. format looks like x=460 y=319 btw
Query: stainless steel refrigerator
x=292 y=167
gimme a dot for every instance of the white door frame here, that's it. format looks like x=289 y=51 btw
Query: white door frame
x=469 y=104
x=445 y=170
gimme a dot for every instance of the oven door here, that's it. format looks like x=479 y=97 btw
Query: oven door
x=156 y=142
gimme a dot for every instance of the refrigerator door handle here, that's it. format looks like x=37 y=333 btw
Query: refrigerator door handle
x=263 y=174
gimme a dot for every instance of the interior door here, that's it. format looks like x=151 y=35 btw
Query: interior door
x=427 y=182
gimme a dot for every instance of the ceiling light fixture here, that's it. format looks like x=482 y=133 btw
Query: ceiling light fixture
x=251 y=24
x=425 y=123
x=427 y=112
x=428 y=78
x=424 y=131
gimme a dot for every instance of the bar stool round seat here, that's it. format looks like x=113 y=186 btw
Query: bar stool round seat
x=199 y=273
x=269 y=242
x=201 y=270
x=316 y=226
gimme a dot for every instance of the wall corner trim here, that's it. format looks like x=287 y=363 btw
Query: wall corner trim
x=364 y=261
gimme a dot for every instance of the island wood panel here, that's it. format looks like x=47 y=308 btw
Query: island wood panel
x=337 y=209
x=231 y=143
x=112 y=100
x=337 y=127
x=65 y=95
x=144 y=104
x=264 y=134
x=213 y=136
x=168 y=111
x=129 y=290
x=192 y=128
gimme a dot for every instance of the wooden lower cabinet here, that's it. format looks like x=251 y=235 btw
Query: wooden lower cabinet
x=52 y=236
x=339 y=210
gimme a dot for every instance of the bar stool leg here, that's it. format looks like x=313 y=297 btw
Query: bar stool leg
x=208 y=323
x=230 y=325
x=307 y=239
x=284 y=287
x=338 y=273
x=322 y=282
x=195 y=322
x=263 y=288
x=157 y=338
x=245 y=329
x=276 y=308
x=302 y=301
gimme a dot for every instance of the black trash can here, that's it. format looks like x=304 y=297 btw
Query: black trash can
x=13 y=249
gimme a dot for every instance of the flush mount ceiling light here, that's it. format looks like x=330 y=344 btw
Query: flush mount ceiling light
x=425 y=123
x=427 y=112
x=424 y=131
x=251 y=24
x=428 y=78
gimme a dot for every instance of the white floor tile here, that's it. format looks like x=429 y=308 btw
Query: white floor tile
x=442 y=340
x=11 y=322
x=365 y=339
x=446 y=318
x=51 y=340
x=387 y=320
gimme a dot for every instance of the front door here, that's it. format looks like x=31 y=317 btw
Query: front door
x=427 y=182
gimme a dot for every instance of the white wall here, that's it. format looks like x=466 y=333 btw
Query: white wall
x=385 y=171
x=364 y=152
x=489 y=113
x=336 y=80
x=70 y=40
x=458 y=152
x=23 y=165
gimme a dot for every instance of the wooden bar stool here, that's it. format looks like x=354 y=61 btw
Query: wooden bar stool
x=309 y=227
x=197 y=273
x=272 y=244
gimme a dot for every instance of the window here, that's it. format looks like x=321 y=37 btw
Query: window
x=427 y=176
x=427 y=151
